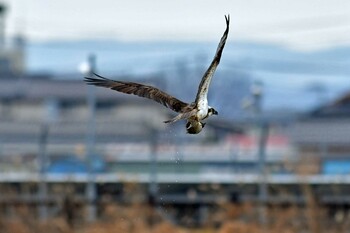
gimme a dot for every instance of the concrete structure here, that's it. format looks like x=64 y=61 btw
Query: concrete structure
x=12 y=61
x=325 y=130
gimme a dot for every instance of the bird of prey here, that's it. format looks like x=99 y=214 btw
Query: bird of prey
x=194 y=112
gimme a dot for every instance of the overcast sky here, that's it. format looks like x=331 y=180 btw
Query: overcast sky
x=300 y=24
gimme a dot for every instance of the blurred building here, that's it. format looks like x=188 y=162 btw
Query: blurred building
x=12 y=60
x=324 y=135
x=29 y=102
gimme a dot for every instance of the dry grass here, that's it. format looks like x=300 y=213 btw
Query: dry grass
x=142 y=218
x=224 y=217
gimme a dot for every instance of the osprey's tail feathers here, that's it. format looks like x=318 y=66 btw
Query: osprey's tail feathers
x=181 y=116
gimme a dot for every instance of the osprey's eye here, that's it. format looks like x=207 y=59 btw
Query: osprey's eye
x=212 y=111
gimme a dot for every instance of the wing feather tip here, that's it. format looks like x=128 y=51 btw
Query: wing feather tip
x=94 y=81
x=89 y=81
x=227 y=18
x=99 y=76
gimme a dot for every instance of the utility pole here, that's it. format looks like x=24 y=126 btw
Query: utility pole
x=263 y=132
x=3 y=10
x=44 y=132
x=153 y=186
x=153 y=170
x=263 y=192
x=90 y=144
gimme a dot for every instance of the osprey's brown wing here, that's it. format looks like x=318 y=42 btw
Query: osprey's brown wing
x=139 y=90
x=204 y=85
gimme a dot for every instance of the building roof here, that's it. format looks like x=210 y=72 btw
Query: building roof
x=322 y=131
x=338 y=108
x=328 y=124
x=36 y=90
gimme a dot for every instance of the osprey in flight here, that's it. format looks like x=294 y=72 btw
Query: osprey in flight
x=194 y=112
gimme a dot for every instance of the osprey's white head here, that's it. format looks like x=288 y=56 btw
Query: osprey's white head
x=212 y=111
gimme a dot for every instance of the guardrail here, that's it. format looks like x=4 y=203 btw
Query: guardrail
x=179 y=178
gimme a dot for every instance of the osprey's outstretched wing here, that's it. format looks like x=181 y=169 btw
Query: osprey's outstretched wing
x=204 y=85
x=139 y=90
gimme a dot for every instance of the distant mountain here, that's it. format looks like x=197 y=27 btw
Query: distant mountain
x=286 y=74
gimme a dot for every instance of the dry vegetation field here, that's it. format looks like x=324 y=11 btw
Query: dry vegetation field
x=225 y=218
